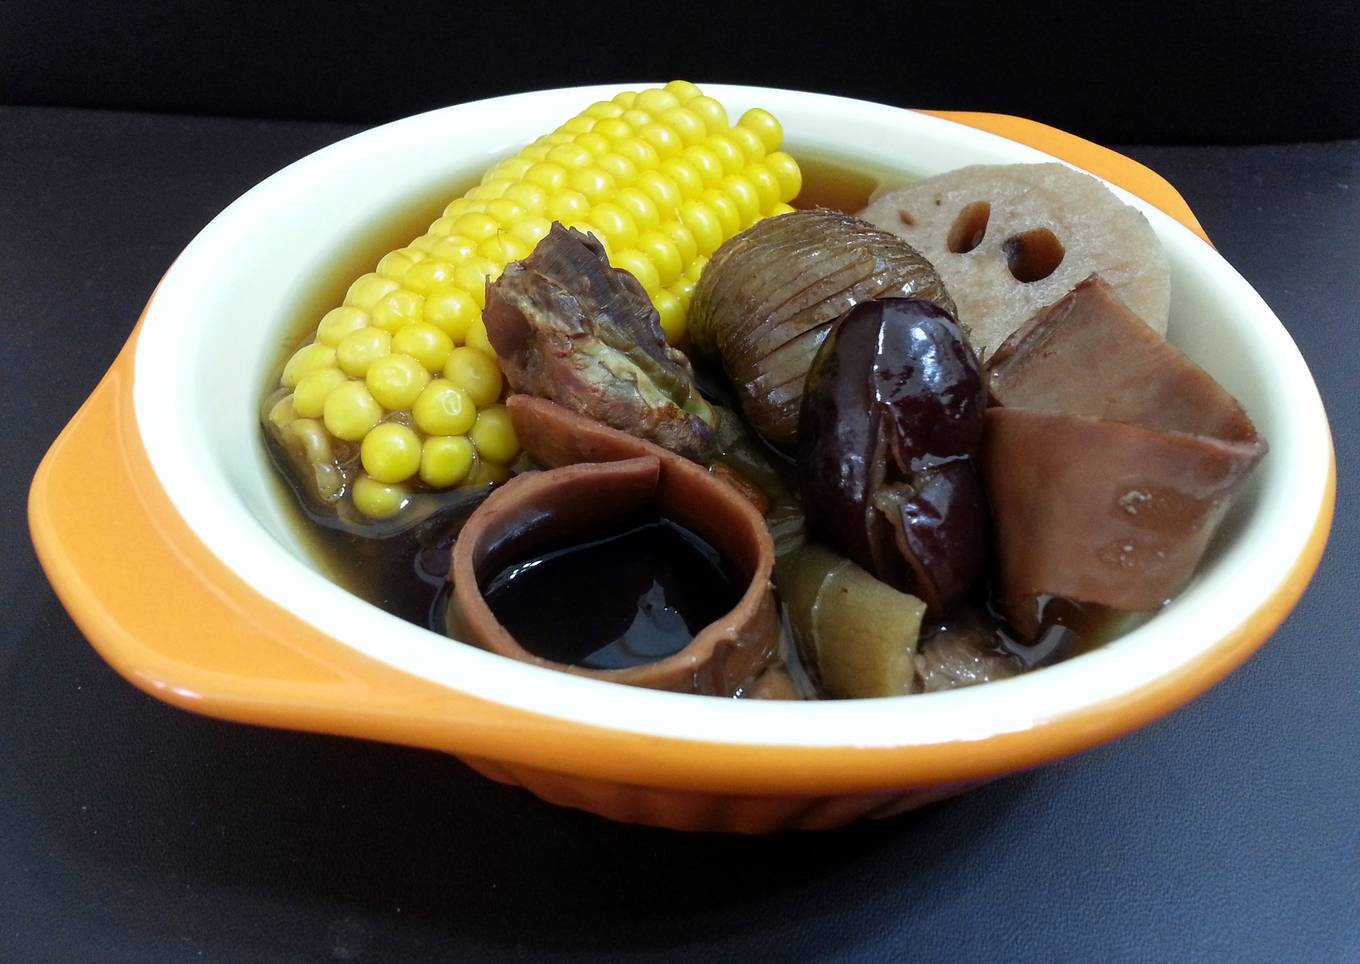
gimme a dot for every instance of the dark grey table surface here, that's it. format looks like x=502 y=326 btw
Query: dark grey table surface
x=131 y=831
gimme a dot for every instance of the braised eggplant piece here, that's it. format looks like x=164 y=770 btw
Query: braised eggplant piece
x=1110 y=459
x=768 y=298
x=569 y=327
x=891 y=421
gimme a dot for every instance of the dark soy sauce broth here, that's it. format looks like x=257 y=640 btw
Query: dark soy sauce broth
x=627 y=599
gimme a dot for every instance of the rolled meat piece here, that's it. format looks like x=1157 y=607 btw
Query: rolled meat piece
x=1109 y=459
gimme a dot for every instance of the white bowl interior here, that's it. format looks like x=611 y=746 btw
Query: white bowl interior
x=283 y=252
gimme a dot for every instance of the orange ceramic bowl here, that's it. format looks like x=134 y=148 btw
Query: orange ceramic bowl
x=157 y=519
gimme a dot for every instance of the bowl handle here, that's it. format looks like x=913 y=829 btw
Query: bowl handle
x=174 y=620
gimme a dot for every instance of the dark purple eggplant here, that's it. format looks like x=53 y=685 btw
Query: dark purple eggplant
x=891 y=421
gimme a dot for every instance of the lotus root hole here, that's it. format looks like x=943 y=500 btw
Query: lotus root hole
x=1032 y=255
x=970 y=227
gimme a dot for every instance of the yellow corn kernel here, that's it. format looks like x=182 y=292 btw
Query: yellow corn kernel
x=620 y=168
x=696 y=267
x=367 y=289
x=444 y=409
x=727 y=150
x=782 y=208
x=504 y=211
x=569 y=157
x=425 y=343
x=704 y=224
x=625 y=98
x=765 y=126
x=307 y=359
x=666 y=141
x=476 y=374
x=726 y=209
x=616 y=224
x=531 y=197
x=749 y=141
x=614 y=128
x=765 y=183
x=478 y=339
x=445 y=460
x=376 y=500
x=339 y=322
x=744 y=194
x=637 y=118
x=547 y=175
x=595 y=143
x=643 y=155
x=683 y=239
x=475 y=226
x=663 y=254
x=451 y=310
x=453 y=248
x=714 y=115
x=705 y=163
x=309 y=397
x=424 y=277
x=395 y=264
x=639 y=206
x=684 y=290
x=635 y=263
x=568 y=205
x=671 y=313
x=472 y=276
x=361 y=348
x=396 y=381
x=686 y=178
x=504 y=248
x=683 y=90
x=603 y=109
x=399 y=307
x=655 y=100
x=531 y=229
x=786 y=172
x=493 y=434
x=391 y=453
x=351 y=412
x=689 y=126
x=660 y=189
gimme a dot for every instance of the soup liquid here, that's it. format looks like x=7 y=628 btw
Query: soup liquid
x=628 y=599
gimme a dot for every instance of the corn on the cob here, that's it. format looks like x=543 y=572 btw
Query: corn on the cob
x=403 y=369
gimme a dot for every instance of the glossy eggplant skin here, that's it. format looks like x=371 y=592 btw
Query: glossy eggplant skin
x=890 y=424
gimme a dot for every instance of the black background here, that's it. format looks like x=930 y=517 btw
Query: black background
x=1190 y=71
x=130 y=831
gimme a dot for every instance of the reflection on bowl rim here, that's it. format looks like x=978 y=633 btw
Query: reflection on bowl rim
x=574 y=724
